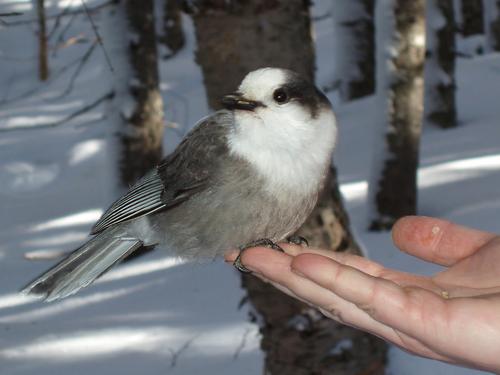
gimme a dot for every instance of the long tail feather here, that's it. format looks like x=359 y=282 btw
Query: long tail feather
x=83 y=266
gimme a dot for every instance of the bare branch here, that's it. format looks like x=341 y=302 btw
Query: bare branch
x=2 y=22
x=73 y=115
x=60 y=38
x=178 y=352
x=57 y=23
x=98 y=36
x=321 y=17
x=10 y=14
x=51 y=79
x=78 y=69
x=242 y=344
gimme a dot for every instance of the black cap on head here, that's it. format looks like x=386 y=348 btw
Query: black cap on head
x=303 y=91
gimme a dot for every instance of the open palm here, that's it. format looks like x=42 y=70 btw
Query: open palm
x=453 y=316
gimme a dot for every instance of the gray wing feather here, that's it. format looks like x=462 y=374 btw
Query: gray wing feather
x=143 y=198
x=178 y=177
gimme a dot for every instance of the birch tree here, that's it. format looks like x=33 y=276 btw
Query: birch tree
x=440 y=103
x=400 y=31
x=355 y=53
x=234 y=38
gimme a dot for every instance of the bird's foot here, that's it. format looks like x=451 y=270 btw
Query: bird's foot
x=298 y=240
x=265 y=242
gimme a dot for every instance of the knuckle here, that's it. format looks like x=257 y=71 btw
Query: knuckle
x=333 y=312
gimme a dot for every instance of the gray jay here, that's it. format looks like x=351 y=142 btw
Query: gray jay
x=246 y=174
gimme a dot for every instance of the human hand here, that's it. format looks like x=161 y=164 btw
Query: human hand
x=453 y=316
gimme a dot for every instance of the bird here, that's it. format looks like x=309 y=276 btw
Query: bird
x=248 y=174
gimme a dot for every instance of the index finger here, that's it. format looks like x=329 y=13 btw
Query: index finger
x=436 y=240
x=414 y=311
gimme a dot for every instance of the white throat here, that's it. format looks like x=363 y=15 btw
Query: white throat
x=291 y=153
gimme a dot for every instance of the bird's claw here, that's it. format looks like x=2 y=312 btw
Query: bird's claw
x=298 y=240
x=265 y=242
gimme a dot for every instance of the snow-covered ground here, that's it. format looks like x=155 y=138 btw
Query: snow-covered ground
x=158 y=315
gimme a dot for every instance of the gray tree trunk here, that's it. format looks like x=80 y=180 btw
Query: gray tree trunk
x=492 y=24
x=440 y=103
x=472 y=17
x=233 y=39
x=355 y=53
x=173 y=34
x=43 y=63
x=142 y=140
x=400 y=29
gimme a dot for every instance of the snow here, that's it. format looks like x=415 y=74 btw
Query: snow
x=159 y=314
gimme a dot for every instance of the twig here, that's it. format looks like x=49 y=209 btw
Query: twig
x=64 y=30
x=98 y=36
x=78 y=69
x=73 y=115
x=10 y=14
x=321 y=17
x=39 y=87
x=178 y=352
x=58 y=20
x=242 y=344
x=51 y=79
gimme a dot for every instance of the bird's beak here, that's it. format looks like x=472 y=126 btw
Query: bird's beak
x=237 y=101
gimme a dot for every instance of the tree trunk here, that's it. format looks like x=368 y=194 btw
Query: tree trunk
x=328 y=227
x=43 y=64
x=472 y=17
x=233 y=39
x=239 y=36
x=142 y=140
x=173 y=34
x=355 y=41
x=492 y=25
x=400 y=29
x=440 y=106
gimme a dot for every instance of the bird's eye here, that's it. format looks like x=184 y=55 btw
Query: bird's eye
x=280 y=96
